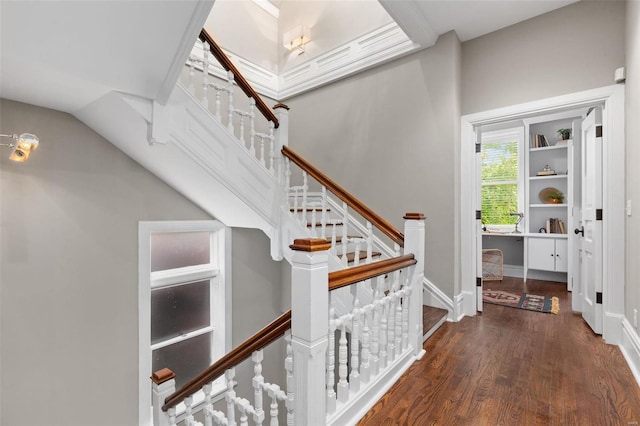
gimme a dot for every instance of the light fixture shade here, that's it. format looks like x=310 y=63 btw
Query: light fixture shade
x=297 y=37
x=26 y=144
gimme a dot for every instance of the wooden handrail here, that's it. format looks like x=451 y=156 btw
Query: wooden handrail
x=377 y=221
x=239 y=78
x=345 y=277
x=258 y=341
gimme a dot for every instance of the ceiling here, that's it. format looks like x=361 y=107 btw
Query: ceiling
x=66 y=54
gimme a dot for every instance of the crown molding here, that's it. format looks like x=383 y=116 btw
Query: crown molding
x=375 y=48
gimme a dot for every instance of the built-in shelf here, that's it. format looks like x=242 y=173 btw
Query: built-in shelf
x=549 y=148
x=548 y=177
x=547 y=205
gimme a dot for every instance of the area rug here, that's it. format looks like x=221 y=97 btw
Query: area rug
x=530 y=302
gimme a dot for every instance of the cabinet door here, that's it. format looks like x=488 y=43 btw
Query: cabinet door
x=562 y=256
x=541 y=253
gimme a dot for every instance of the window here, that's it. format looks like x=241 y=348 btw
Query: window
x=184 y=300
x=502 y=176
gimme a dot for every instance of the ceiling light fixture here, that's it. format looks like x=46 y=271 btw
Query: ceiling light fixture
x=22 y=149
x=297 y=38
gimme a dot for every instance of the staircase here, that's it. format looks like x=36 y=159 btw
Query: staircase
x=356 y=318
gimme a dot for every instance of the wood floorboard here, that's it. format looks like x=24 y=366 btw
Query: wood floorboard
x=431 y=316
x=509 y=366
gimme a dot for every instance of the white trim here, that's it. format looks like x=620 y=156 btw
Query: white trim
x=374 y=48
x=613 y=98
x=145 y=229
x=630 y=348
x=433 y=296
x=182 y=275
x=462 y=302
x=196 y=23
x=356 y=408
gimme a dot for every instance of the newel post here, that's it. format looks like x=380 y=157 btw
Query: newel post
x=414 y=243
x=309 y=328
x=281 y=135
x=164 y=385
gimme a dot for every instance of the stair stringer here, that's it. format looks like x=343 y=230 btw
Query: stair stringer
x=197 y=156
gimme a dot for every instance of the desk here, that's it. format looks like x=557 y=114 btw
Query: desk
x=540 y=252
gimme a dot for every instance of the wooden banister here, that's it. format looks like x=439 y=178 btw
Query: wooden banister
x=239 y=78
x=345 y=277
x=357 y=205
x=258 y=341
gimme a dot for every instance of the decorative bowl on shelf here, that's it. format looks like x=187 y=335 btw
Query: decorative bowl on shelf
x=551 y=195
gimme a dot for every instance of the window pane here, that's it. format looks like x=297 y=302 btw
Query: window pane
x=178 y=310
x=500 y=161
x=186 y=359
x=179 y=249
x=497 y=202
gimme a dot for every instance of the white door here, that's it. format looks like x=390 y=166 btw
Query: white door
x=478 y=213
x=591 y=231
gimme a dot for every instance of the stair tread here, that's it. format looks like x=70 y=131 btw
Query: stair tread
x=363 y=255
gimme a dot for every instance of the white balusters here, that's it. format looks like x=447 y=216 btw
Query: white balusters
x=313 y=220
x=230 y=78
x=288 y=366
x=230 y=396
x=208 y=406
x=345 y=220
x=305 y=189
x=261 y=158
x=384 y=312
x=189 y=419
x=258 y=381
x=354 y=377
x=391 y=321
x=205 y=74
x=323 y=206
x=252 y=117
x=369 y=238
x=398 y=317
x=375 y=329
x=405 y=317
x=272 y=143
x=331 y=359
x=334 y=237
x=365 y=366
x=343 y=385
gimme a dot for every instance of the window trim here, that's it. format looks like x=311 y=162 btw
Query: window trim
x=517 y=133
x=219 y=274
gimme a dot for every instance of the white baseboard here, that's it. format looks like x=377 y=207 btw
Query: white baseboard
x=612 y=328
x=630 y=348
x=433 y=296
x=517 y=271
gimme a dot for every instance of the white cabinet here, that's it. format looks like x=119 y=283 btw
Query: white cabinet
x=547 y=254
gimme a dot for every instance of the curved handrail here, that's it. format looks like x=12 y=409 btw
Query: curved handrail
x=239 y=78
x=258 y=341
x=345 y=277
x=357 y=205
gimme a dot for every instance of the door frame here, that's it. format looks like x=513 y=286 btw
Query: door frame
x=612 y=99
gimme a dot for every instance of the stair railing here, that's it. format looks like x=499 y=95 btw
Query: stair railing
x=341 y=218
x=260 y=138
x=376 y=341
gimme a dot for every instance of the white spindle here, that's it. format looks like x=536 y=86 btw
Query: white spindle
x=313 y=220
x=391 y=324
x=272 y=142
x=345 y=220
x=262 y=152
x=398 y=321
x=288 y=366
x=273 y=407
x=305 y=188
x=230 y=396
x=384 y=312
x=252 y=117
x=356 y=258
x=191 y=63
x=257 y=382
x=244 y=408
x=188 y=419
x=208 y=407
x=323 y=219
x=205 y=74
x=331 y=358
x=369 y=242
x=295 y=201
x=242 y=116
x=230 y=78
x=396 y=249
x=405 y=316
x=343 y=384
x=375 y=329
x=354 y=377
x=365 y=366
x=287 y=179
x=218 y=101
x=334 y=236
x=171 y=412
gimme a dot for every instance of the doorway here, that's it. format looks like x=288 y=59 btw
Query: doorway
x=612 y=100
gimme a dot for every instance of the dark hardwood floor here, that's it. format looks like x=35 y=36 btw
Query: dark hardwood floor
x=508 y=366
x=431 y=317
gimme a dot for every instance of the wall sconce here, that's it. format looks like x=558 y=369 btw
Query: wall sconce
x=22 y=149
x=297 y=38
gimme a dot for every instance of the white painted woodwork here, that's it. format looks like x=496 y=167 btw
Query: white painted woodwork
x=591 y=240
x=159 y=393
x=414 y=240
x=547 y=254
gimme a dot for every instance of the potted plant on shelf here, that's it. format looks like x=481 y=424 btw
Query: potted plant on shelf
x=555 y=197
x=564 y=134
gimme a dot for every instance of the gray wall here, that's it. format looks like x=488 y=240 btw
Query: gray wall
x=574 y=48
x=69 y=273
x=632 y=97
x=387 y=135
